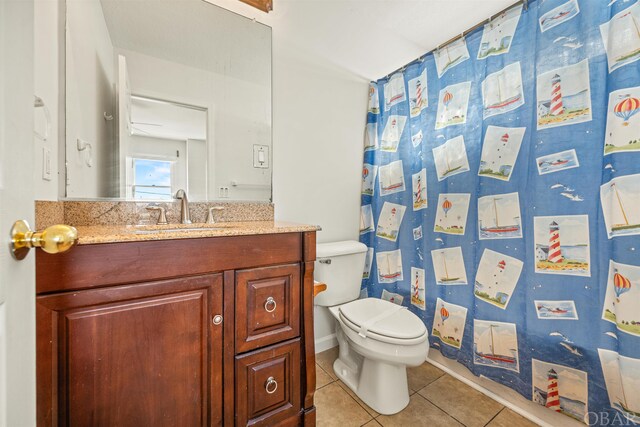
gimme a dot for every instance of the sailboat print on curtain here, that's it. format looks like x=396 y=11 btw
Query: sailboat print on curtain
x=451 y=214
x=622 y=376
x=448 y=266
x=451 y=158
x=453 y=102
x=500 y=151
x=623 y=121
x=498 y=33
x=418 y=93
x=497 y=277
x=621 y=37
x=394 y=91
x=502 y=91
x=451 y=55
x=391 y=178
x=620 y=200
x=560 y=388
x=389 y=266
x=371 y=136
x=495 y=344
x=564 y=96
x=622 y=298
x=559 y=15
x=366 y=219
x=499 y=217
x=562 y=245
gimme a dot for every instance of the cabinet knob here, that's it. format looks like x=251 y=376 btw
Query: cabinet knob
x=271 y=385
x=217 y=319
x=270 y=305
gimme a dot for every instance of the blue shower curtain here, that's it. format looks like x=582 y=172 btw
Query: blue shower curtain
x=501 y=202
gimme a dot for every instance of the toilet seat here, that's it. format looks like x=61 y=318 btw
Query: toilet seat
x=383 y=321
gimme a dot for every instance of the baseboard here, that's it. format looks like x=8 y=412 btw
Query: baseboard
x=325 y=343
x=501 y=394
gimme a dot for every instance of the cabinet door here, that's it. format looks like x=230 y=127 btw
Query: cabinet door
x=267 y=306
x=141 y=354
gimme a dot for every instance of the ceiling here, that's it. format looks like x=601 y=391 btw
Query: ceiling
x=166 y=120
x=369 y=38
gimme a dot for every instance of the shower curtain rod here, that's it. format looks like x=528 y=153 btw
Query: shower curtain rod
x=462 y=35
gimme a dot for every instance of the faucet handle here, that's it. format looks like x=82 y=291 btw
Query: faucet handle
x=210 y=218
x=162 y=217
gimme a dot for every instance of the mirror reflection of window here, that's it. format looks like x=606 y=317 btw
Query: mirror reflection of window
x=152 y=179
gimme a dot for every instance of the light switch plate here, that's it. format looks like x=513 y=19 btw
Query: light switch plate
x=261 y=156
x=46 y=164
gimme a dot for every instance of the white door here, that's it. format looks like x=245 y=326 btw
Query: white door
x=17 y=278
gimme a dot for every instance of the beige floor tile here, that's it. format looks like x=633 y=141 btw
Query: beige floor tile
x=422 y=375
x=462 y=402
x=346 y=388
x=322 y=378
x=336 y=408
x=508 y=418
x=419 y=412
x=372 y=423
x=326 y=359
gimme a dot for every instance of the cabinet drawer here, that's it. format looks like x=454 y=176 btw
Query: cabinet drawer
x=268 y=385
x=267 y=306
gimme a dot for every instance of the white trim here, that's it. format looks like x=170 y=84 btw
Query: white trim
x=325 y=343
x=501 y=394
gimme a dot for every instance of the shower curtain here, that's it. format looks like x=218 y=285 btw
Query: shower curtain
x=501 y=202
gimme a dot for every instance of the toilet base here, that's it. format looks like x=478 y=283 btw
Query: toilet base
x=383 y=387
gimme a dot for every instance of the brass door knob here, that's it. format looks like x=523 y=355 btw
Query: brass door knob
x=53 y=240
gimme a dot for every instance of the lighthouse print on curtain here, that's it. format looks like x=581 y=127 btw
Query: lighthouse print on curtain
x=501 y=202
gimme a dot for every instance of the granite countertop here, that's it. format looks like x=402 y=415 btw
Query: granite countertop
x=97 y=234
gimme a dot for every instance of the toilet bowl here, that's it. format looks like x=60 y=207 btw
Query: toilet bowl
x=378 y=339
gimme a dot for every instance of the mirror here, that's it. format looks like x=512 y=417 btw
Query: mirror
x=163 y=95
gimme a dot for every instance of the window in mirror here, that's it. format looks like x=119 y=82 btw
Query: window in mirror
x=152 y=179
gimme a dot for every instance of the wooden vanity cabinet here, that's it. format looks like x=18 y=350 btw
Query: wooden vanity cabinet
x=193 y=332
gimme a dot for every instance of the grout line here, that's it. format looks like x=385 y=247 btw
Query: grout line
x=499 y=412
x=359 y=404
x=446 y=412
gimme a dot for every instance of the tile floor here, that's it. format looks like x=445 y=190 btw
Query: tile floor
x=437 y=399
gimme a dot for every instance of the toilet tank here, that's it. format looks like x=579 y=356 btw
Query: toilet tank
x=340 y=266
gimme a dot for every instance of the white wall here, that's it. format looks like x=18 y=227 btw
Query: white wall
x=48 y=20
x=90 y=93
x=239 y=116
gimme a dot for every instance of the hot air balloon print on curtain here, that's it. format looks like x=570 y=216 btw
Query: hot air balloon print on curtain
x=449 y=323
x=451 y=213
x=369 y=173
x=623 y=121
x=453 y=102
x=622 y=298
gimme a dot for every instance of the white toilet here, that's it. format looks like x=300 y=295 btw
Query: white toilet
x=378 y=339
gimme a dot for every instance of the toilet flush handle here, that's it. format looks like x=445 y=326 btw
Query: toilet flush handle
x=325 y=261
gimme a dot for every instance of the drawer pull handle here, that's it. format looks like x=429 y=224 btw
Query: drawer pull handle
x=217 y=319
x=270 y=305
x=271 y=385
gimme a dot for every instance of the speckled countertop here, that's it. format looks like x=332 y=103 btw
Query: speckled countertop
x=97 y=234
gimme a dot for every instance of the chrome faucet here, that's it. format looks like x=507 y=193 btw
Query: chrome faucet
x=185 y=216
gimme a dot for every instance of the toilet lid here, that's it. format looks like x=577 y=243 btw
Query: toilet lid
x=400 y=324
